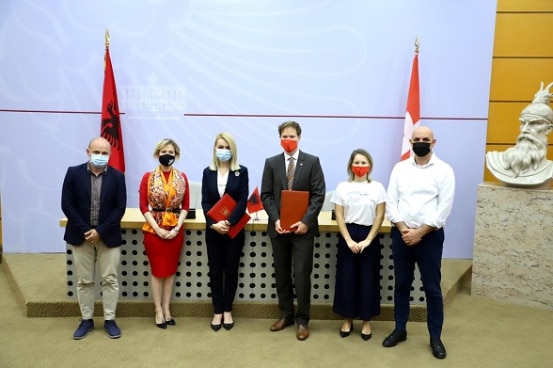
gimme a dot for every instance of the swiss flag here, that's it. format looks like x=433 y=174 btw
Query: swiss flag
x=412 y=115
x=110 y=128
x=254 y=202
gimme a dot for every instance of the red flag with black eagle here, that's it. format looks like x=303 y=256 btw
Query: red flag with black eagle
x=254 y=202
x=111 y=123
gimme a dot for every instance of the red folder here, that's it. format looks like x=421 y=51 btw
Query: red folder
x=222 y=210
x=235 y=229
x=293 y=206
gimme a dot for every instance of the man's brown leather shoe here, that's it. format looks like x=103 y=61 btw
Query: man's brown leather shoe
x=302 y=332
x=281 y=324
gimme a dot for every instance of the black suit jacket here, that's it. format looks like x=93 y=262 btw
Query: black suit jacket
x=76 y=202
x=237 y=188
x=307 y=177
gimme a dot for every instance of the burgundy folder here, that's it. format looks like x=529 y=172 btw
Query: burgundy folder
x=293 y=206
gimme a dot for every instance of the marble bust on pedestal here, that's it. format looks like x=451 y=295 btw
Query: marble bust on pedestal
x=525 y=165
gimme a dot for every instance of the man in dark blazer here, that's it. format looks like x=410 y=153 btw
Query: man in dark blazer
x=293 y=249
x=94 y=199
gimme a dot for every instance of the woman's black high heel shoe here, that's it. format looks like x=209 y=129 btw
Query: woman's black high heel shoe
x=346 y=333
x=162 y=325
x=366 y=337
x=228 y=316
x=216 y=327
x=170 y=322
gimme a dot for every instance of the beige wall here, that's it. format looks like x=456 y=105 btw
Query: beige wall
x=522 y=58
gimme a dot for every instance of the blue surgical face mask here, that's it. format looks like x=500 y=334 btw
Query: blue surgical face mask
x=223 y=154
x=99 y=160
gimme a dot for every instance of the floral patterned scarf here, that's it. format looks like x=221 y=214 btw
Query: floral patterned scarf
x=165 y=194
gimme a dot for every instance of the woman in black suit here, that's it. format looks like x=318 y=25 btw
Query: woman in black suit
x=224 y=175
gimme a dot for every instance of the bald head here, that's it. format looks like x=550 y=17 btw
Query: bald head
x=99 y=141
x=423 y=131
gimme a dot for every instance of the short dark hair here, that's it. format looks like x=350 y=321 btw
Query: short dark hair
x=289 y=124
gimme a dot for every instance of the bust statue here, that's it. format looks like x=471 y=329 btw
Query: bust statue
x=525 y=165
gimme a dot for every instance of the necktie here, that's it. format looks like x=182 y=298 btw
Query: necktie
x=290 y=172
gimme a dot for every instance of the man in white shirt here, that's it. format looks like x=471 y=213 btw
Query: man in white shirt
x=420 y=198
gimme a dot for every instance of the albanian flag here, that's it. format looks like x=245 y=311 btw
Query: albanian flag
x=254 y=202
x=111 y=123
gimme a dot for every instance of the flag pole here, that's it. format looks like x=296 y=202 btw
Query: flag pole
x=107 y=38
x=107 y=41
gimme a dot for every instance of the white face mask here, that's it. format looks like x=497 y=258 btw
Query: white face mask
x=99 y=160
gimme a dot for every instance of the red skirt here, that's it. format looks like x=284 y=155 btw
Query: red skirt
x=163 y=254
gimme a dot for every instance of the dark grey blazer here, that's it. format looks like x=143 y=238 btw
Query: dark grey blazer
x=308 y=177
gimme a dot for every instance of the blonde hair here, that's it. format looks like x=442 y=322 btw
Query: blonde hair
x=227 y=137
x=361 y=152
x=165 y=142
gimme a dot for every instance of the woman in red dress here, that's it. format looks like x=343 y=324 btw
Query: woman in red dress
x=164 y=202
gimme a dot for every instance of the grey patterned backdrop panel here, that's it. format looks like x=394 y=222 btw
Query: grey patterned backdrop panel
x=256 y=278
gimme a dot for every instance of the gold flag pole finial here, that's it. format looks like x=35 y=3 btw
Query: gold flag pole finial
x=416 y=45
x=107 y=38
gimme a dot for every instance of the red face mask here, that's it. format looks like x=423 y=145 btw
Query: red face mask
x=289 y=145
x=360 y=170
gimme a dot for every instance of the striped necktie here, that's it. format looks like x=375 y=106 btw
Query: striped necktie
x=290 y=172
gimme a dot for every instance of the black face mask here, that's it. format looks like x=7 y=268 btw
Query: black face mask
x=421 y=148
x=166 y=160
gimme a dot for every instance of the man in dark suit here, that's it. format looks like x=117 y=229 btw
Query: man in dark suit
x=293 y=249
x=94 y=198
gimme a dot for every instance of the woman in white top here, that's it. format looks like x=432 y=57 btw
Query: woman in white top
x=360 y=205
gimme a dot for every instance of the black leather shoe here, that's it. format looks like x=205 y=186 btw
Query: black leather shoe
x=438 y=348
x=394 y=338
x=161 y=325
x=228 y=326
x=171 y=322
x=216 y=327
x=346 y=333
x=366 y=337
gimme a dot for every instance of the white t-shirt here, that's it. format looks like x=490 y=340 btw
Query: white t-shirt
x=359 y=200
